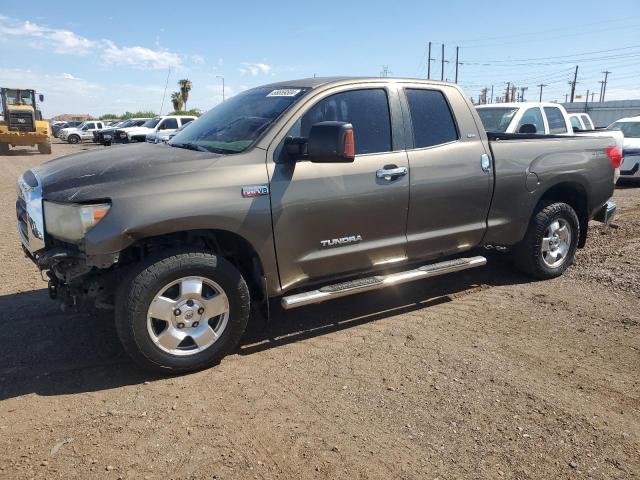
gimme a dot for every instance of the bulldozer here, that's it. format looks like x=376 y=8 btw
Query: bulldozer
x=21 y=124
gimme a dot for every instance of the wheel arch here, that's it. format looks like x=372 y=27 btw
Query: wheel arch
x=574 y=194
x=230 y=245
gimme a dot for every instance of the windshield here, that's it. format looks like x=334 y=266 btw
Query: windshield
x=496 y=119
x=233 y=125
x=151 y=123
x=126 y=123
x=628 y=129
x=19 y=97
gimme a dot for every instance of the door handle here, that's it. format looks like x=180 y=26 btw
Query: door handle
x=485 y=162
x=391 y=172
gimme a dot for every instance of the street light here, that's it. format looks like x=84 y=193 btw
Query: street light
x=222 y=77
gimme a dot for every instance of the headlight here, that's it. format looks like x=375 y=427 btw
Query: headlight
x=70 y=221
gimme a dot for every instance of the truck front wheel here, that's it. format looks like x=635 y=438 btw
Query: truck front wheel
x=45 y=148
x=183 y=311
x=550 y=243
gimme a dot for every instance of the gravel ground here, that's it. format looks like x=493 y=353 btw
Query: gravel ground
x=482 y=374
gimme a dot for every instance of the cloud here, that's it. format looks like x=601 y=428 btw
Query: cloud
x=70 y=43
x=140 y=57
x=68 y=76
x=197 y=59
x=62 y=41
x=255 y=68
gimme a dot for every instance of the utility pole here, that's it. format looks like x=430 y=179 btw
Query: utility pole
x=457 y=63
x=601 y=82
x=506 y=95
x=442 y=65
x=385 y=71
x=586 y=102
x=522 y=90
x=566 y=97
x=593 y=94
x=573 y=84
x=513 y=92
x=604 y=86
x=491 y=99
x=429 y=63
x=541 y=85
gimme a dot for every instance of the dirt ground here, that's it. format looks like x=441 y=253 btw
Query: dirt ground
x=483 y=374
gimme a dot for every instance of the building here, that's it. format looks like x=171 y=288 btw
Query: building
x=67 y=117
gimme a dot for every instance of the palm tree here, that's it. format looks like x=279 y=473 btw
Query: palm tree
x=185 y=88
x=176 y=99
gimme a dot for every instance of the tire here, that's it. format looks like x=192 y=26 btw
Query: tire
x=534 y=255
x=73 y=139
x=45 y=148
x=142 y=333
x=4 y=148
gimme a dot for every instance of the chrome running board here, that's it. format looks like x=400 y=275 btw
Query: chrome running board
x=380 y=281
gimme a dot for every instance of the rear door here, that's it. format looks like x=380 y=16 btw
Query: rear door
x=332 y=219
x=451 y=174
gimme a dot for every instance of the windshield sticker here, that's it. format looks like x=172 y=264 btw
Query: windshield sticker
x=284 y=92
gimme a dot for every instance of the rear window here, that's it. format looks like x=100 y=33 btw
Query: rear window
x=496 y=119
x=587 y=122
x=575 y=122
x=555 y=120
x=431 y=118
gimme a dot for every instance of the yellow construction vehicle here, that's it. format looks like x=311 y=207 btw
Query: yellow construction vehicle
x=21 y=124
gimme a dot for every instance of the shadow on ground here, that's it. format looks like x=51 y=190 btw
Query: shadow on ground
x=48 y=352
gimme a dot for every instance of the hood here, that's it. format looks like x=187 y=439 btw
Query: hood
x=97 y=173
x=138 y=130
x=631 y=142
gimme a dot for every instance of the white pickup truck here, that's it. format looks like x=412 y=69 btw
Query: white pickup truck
x=537 y=118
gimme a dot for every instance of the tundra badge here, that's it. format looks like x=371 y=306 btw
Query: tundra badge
x=336 y=242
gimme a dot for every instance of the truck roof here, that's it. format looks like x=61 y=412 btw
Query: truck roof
x=314 y=82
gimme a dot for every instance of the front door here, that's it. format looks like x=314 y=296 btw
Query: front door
x=332 y=219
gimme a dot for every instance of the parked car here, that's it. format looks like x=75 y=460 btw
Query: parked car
x=166 y=124
x=163 y=136
x=55 y=129
x=106 y=135
x=82 y=132
x=305 y=191
x=581 y=122
x=630 y=128
x=537 y=118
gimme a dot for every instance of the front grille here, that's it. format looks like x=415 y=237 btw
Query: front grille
x=21 y=121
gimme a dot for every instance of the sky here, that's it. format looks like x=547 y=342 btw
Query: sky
x=98 y=58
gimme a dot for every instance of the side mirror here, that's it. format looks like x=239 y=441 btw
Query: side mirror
x=331 y=142
x=41 y=97
x=529 y=128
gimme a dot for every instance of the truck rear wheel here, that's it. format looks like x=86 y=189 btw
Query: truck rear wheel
x=183 y=311
x=550 y=243
x=73 y=139
x=4 y=148
x=45 y=148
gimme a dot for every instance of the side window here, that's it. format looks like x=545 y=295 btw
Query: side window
x=587 y=122
x=556 y=120
x=184 y=121
x=575 y=122
x=367 y=110
x=169 y=124
x=532 y=116
x=431 y=118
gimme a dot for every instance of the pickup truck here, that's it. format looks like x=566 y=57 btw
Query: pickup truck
x=82 y=132
x=304 y=191
x=539 y=118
